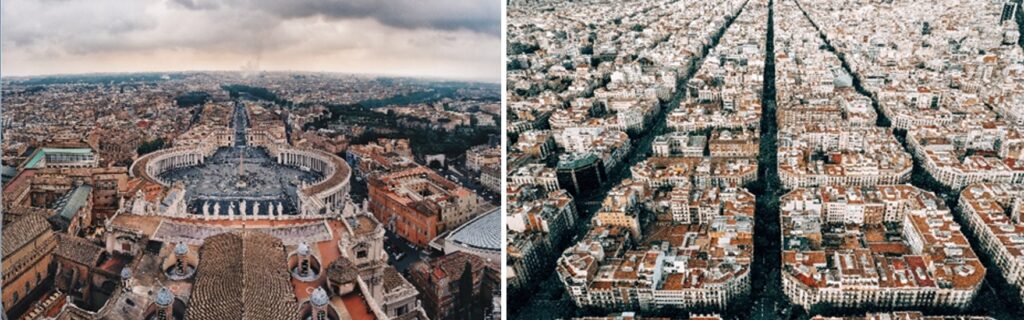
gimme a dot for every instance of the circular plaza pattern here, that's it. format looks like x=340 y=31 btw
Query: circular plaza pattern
x=248 y=181
x=236 y=174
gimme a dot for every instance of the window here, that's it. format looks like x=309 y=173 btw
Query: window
x=362 y=250
x=15 y=297
x=28 y=287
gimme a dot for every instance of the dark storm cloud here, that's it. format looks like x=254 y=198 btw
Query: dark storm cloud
x=430 y=37
x=70 y=22
x=475 y=15
x=197 y=4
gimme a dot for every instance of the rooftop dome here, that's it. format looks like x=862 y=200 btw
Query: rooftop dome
x=319 y=297
x=164 y=297
x=180 y=249
x=479 y=232
x=126 y=273
x=303 y=249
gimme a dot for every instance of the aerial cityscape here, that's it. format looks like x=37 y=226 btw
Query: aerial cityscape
x=519 y=159
x=224 y=181
x=130 y=197
x=764 y=159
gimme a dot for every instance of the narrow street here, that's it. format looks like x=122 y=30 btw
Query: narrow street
x=767 y=300
x=550 y=300
x=992 y=298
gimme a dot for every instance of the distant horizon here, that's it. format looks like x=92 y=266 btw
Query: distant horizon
x=4 y=76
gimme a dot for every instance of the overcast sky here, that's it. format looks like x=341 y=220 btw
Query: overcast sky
x=457 y=39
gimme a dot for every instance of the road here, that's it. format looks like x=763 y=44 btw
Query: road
x=767 y=300
x=993 y=298
x=241 y=123
x=397 y=247
x=550 y=301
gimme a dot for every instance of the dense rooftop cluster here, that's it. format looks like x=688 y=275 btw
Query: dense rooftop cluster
x=725 y=92
x=827 y=131
x=950 y=76
x=582 y=79
x=867 y=96
x=697 y=255
x=77 y=114
x=886 y=246
x=992 y=211
x=680 y=232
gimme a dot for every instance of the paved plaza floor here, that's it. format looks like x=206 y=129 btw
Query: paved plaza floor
x=261 y=181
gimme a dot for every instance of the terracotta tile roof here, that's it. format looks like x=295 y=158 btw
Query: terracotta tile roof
x=393 y=280
x=22 y=231
x=78 y=250
x=454 y=264
x=341 y=271
x=242 y=275
x=22 y=178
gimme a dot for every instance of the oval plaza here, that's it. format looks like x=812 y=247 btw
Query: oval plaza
x=245 y=181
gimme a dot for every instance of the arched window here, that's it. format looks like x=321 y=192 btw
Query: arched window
x=15 y=297
x=362 y=250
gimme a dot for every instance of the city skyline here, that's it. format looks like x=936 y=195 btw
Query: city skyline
x=338 y=37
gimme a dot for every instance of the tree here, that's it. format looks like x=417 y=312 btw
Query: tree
x=464 y=299
x=150 y=146
x=485 y=300
x=517 y=48
x=192 y=98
